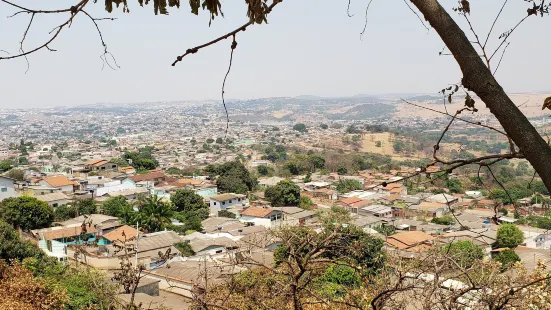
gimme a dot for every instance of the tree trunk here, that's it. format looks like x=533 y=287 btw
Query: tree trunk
x=479 y=79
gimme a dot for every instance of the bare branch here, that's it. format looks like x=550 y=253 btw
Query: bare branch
x=227 y=35
x=365 y=25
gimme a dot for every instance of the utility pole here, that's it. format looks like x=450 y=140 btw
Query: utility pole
x=137 y=237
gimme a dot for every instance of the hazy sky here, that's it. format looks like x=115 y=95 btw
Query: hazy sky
x=310 y=47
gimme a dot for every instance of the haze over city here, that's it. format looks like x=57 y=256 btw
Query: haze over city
x=308 y=48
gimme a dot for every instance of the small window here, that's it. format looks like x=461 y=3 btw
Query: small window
x=113 y=166
x=4 y=189
x=218 y=251
x=223 y=202
x=215 y=203
x=54 y=205
x=230 y=201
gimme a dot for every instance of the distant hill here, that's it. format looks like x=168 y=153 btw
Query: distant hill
x=365 y=111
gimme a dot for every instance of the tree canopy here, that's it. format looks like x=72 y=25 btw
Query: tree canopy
x=187 y=201
x=233 y=177
x=509 y=236
x=26 y=212
x=284 y=193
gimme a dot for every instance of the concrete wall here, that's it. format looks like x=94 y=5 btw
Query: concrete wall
x=7 y=189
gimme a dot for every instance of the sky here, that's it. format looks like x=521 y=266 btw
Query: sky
x=309 y=47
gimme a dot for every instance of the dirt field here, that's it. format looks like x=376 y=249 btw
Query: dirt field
x=530 y=105
x=281 y=113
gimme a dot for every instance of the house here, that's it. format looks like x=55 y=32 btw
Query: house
x=258 y=163
x=100 y=165
x=188 y=278
x=297 y=216
x=211 y=246
x=473 y=194
x=325 y=193
x=55 y=199
x=368 y=221
x=225 y=201
x=266 y=217
x=430 y=209
x=130 y=194
x=127 y=170
x=61 y=182
x=446 y=199
x=153 y=177
x=120 y=234
x=410 y=241
x=377 y=211
x=269 y=181
x=7 y=188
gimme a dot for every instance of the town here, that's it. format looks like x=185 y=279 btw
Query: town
x=164 y=187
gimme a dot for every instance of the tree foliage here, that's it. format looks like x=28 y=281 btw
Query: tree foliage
x=284 y=193
x=464 y=252
x=155 y=214
x=509 y=236
x=184 y=248
x=64 y=212
x=348 y=185
x=26 y=212
x=13 y=247
x=233 y=177
x=187 y=201
x=507 y=258
x=300 y=127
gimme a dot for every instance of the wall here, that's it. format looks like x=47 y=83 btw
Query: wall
x=7 y=189
x=207 y=192
x=211 y=250
x=257 y=221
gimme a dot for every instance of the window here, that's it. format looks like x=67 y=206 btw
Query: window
x=218 y=251
x=214 y=203
x=113 y=166
x=4 y=189
x=230 y=201
x=54 y=205
x=223 y=203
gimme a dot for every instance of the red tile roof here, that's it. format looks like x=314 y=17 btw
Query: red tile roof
x=152 y=175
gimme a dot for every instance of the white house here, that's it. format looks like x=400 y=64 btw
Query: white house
x=7 y=188
x=474 y=194
x=266 y=217
x=377 y=210
x=55 y=199
x=225 y=201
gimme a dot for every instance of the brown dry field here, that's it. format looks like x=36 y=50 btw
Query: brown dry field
x=530 y=106
x=281 y=113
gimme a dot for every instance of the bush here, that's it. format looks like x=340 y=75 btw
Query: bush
x=509 y=236
x=507 y=258
x=444 y=220
x=26 y=212
x=465 y=252
x=226 y=213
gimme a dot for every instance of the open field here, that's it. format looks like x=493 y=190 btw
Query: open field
x=530 y=105
x=281 y=113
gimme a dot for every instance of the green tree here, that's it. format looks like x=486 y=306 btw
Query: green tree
x=219 y=140
x=444 y=220
x=26 y=212
x=509 y=236
x=184 y=248
x=23 y=160
x=64 y=212
x=308 y=177
x=186 y=201
x=16 y=174
x=265 y=170
x=507 y=258
x=284 y=193
x=317 y=161
x=305 y=203
x=348 y=185
x=233 y=177
x=13 y=247
x=378 y=144
x=342 y=170
x=86 y=206
x=226 y=213
x=5 y=165
x=174 y=171
x=155 y=214
x=324 y=126
x=464 y=252
x=300 y=127
x=115 y=206
x=143 y=159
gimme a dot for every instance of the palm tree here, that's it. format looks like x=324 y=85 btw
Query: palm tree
x=155 y=214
